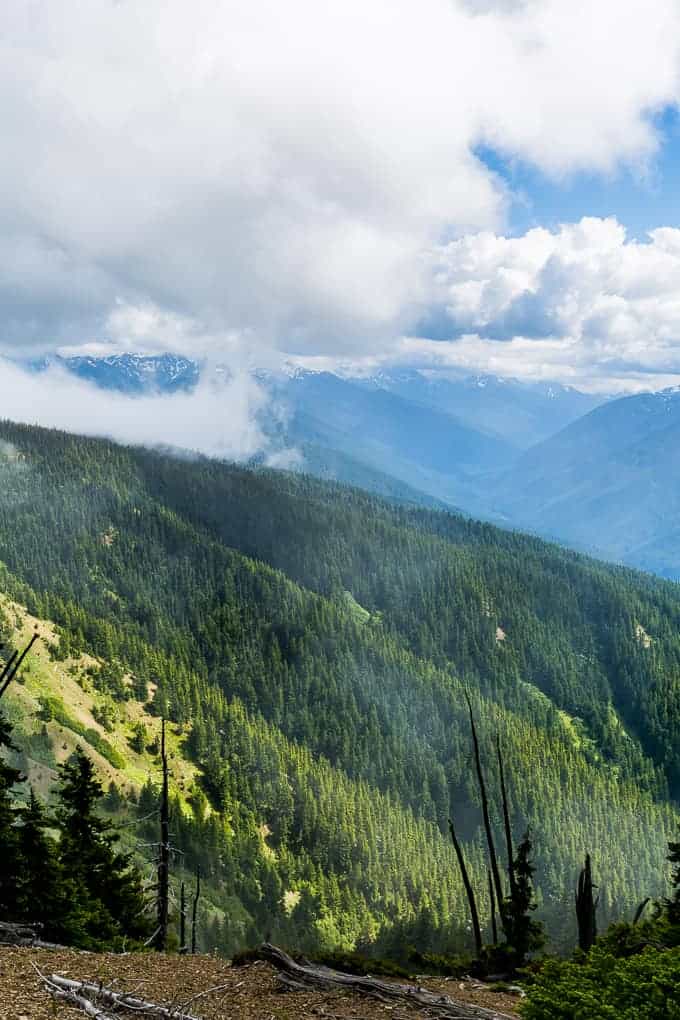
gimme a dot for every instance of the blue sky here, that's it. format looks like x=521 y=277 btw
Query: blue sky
x=640 y=197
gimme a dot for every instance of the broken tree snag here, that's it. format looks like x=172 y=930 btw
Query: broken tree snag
x=506 y=821
x=161 y=940
x=493 y=859
x=492 y=907
x=194 y=911
x=13 y=664
x=91 y=999
x=641 y=909
x=302 y=977
x=586 y=908
x=469 y=891
x=182 y=919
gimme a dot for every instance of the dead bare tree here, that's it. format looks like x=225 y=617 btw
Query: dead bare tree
x=13 y=665
x=161 y=940
x=492 y=903
x=182 y=919
x=194 y=910
x=586 y=908
x=641 y=909
x=469 y=891
x=493 y=859
x=506 y=821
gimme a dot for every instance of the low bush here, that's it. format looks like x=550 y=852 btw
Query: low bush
x=603 y=986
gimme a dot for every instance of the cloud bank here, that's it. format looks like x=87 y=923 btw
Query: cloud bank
x=220 y=418
x=280 y=174
x=582 y=304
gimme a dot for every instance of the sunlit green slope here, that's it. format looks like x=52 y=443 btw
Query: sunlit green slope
x=311 y=646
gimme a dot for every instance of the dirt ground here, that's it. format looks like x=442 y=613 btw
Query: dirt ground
x=241 y=993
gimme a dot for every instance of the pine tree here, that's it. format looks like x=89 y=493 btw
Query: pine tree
x=46 y=896
x=524 y=935
x=108 y=884
x=673 y=904
x=10 y=869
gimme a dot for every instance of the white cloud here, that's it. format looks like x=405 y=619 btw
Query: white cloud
x=219 y=418
x=276 y=173
x=582 y=304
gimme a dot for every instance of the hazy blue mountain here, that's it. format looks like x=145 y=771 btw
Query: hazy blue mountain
x=609 y=482
x=520 y=413
x=335 y=466
x=420 y=437
x=133 y=373
x=422 y=447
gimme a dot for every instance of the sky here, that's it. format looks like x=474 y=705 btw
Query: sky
x=466 y=185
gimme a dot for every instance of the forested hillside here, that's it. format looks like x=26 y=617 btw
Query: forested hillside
x=312 y=645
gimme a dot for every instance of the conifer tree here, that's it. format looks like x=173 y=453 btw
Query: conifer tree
x=523 y=933
x=110 y=888
x=673 y=904
x=10 y=868
x=46 y=896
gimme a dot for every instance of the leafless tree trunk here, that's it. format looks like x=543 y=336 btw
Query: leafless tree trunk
x=586 y=908
x=161 y=940
x=13 y=665
x=493 y=859
x=468 y=890
x=492 y=901
x=506 y=820
x=194 y=911
x=182 y=920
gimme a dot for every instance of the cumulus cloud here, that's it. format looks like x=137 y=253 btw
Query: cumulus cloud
x=277 y=173
x=220 y=418
x=583 y=304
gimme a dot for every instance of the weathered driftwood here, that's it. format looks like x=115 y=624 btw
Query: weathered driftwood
x=303 y=976
x=92 y=998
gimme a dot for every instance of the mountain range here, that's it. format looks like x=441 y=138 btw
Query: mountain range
x=598 y=474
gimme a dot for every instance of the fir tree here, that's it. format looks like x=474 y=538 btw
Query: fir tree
x=46 y=896
x=109 y=885
x=524 y=935
x=673 y=904
x=9 y=845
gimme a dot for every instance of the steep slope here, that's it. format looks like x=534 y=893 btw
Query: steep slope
x=313 y=644
x=610 y=482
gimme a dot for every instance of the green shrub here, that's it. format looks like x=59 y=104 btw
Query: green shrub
x=53 y=708
x=441 y=963
x=606 y=987
x=357 y=963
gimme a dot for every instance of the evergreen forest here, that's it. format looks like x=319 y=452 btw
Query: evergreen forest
x=314 y=649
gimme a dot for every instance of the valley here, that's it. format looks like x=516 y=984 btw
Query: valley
x=311 y=646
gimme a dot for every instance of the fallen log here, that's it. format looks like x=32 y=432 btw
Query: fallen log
x=90 y=998
x=73 y=998
x=17 y=934
x=303 y=976
x=24 y=935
